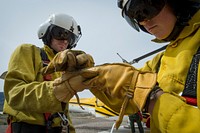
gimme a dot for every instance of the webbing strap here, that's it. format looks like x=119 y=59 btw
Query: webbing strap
x=9 y=127
x=44 y=57
x=191 y=101
x=190 y=90
x=48 y=116
x=129 y=95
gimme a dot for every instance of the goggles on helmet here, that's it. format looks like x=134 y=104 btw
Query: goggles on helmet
x=62 y=34
x=136 y=11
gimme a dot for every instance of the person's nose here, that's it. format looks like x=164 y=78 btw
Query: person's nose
x=65 y=42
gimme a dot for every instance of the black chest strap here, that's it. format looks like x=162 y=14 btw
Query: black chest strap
x=190 y=90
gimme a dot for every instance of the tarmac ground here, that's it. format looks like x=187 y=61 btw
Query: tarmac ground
x=86 y=123
x=90 y=124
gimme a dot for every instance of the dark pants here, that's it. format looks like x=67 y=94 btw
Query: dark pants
x=21 y=127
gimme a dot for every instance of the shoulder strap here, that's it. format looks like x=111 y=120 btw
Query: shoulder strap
x=44 y=57
x=48 y=116
x=45 y=62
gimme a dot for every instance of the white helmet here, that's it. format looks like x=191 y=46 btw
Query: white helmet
x=135 y=11
x=63 y=21
x=121 y=3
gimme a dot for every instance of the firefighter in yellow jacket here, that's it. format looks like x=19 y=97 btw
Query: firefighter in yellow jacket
x=178 y=69
x=168 y=86
x=32 y=103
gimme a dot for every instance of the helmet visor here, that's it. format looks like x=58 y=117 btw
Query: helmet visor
x=139 y=10
x=62 y=34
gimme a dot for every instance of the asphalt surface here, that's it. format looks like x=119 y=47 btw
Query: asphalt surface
x=86 y=123
x=89 y=124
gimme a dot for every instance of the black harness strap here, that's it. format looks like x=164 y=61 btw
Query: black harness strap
x=44 y=57
x=190 y=90
x=48 y=116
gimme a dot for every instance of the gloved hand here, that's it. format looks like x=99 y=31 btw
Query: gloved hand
x=70 y=83
x=121 y=87
x=69 y=60
x=118 y=85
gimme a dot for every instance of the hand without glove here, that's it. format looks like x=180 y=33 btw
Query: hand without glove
x=69 y=60
x=70 y=83
x=121 y=87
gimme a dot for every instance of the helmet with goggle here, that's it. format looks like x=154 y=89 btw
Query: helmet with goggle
x=60 y=27
x=135 y=11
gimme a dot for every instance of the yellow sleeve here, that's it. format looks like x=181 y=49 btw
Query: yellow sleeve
x=153 y=65
x=172 y=115
x=24 y=88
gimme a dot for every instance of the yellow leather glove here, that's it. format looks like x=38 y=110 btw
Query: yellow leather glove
x=118 y=85
x=69 y=60
x=70 y=83
x=121 y=87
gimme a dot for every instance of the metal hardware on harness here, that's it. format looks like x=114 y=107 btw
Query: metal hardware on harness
x=65 y=121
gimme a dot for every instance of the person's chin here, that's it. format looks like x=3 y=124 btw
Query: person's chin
x=61 y=49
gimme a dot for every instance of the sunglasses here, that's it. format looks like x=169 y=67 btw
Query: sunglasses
x=136 y=11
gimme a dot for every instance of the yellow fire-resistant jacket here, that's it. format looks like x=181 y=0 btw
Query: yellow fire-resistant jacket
x=171 y=114
x=27 y=96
